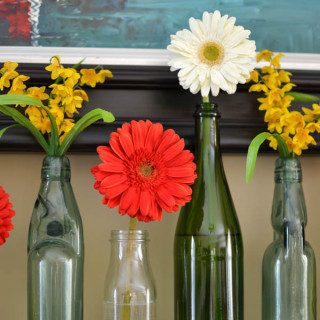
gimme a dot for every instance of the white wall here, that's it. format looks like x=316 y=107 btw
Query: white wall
x=20 y=177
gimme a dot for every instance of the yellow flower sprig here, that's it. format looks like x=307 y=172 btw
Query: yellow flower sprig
x=62 y=99
x=289 y=131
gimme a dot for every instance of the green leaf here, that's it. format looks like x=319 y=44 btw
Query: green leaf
x=78 y=64
x=23 y=99
x=54 y=135
x=282 y=146
x=302 y=97
x=23 y=121
x=19 y=99
x=2 y=131
x=253 y=153
x=82 y=124
x=255 y=146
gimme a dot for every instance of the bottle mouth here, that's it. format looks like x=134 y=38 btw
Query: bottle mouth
x=124 y=235
x=207 y=109
x=287 y=170
x=55 y=168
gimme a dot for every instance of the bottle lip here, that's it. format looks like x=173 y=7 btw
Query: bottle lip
x=55 y=167
x=287 y=170
x=124 y=235
x=207 y=109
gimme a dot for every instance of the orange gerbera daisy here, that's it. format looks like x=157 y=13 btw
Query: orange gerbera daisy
x=6 y=213
x=145 y=170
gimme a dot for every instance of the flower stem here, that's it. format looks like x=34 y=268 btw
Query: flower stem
x=127 y=294
x=207 y=143
x=205 y=99
x=133 y=223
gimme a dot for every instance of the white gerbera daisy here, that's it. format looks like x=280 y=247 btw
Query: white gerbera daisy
x=214 y=54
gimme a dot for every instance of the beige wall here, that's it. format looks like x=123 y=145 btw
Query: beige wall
x=20 y=177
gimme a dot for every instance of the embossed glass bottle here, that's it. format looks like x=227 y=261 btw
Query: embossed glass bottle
x=208 y=252
x=55 y=247
x=289 y=269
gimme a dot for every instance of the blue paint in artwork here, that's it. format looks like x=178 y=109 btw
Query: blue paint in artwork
x=278 y=25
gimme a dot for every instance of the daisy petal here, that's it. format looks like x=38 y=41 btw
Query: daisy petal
x=116 y=190
x=112 y=203
x=112 y=167
x=184 y=157
x=146 y=203
x=116 y=146
x=153 y=136
x=106 y=154
x=129 y=202
x=139 y=130
x=169 y=139
x=113 y=180
x=126 y=142
x=179 y=190
x=165 y=199
x=180 y=172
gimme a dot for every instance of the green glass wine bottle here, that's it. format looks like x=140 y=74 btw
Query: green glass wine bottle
x=289 y=268
x=55 y=247
x=208 y=251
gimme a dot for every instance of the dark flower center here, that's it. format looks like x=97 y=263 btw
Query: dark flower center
x=146 y=170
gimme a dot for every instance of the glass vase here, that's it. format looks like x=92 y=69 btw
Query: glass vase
x=55 y=247
x=208 y=252
x=130 y=292
x=289 y=268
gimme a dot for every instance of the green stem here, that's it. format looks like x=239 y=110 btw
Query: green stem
x=133 y=223
x=206 y=163
x=205 y=99
x=127 y=294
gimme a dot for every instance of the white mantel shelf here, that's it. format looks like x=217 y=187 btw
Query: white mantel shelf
x=129 y=57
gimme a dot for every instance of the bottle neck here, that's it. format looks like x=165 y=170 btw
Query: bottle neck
x=287 y=171
x=207 y=129
x=129 y=244
x=288 y=210
x=55 y=169
x=211 y=210
x=209 y=161
x=56 y=215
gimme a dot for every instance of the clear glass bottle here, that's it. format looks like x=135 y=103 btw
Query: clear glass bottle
x=55 y=247
x=130 y=292
x=289 y=268
x=208 y=252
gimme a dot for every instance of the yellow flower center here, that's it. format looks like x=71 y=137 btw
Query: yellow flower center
x=211 y=53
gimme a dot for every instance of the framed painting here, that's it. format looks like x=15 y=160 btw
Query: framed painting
x=284 y=26
x=130 y=37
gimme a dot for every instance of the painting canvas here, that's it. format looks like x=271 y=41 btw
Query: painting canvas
x=279 y=25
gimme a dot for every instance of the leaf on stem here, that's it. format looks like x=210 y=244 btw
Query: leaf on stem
x=82 y=124
x=23 y=121
x=2 y=131
x=255 y=146
x=23 y=99
x=78 y=64
x=302 y=97
x=54 y=135
x=19 y=99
